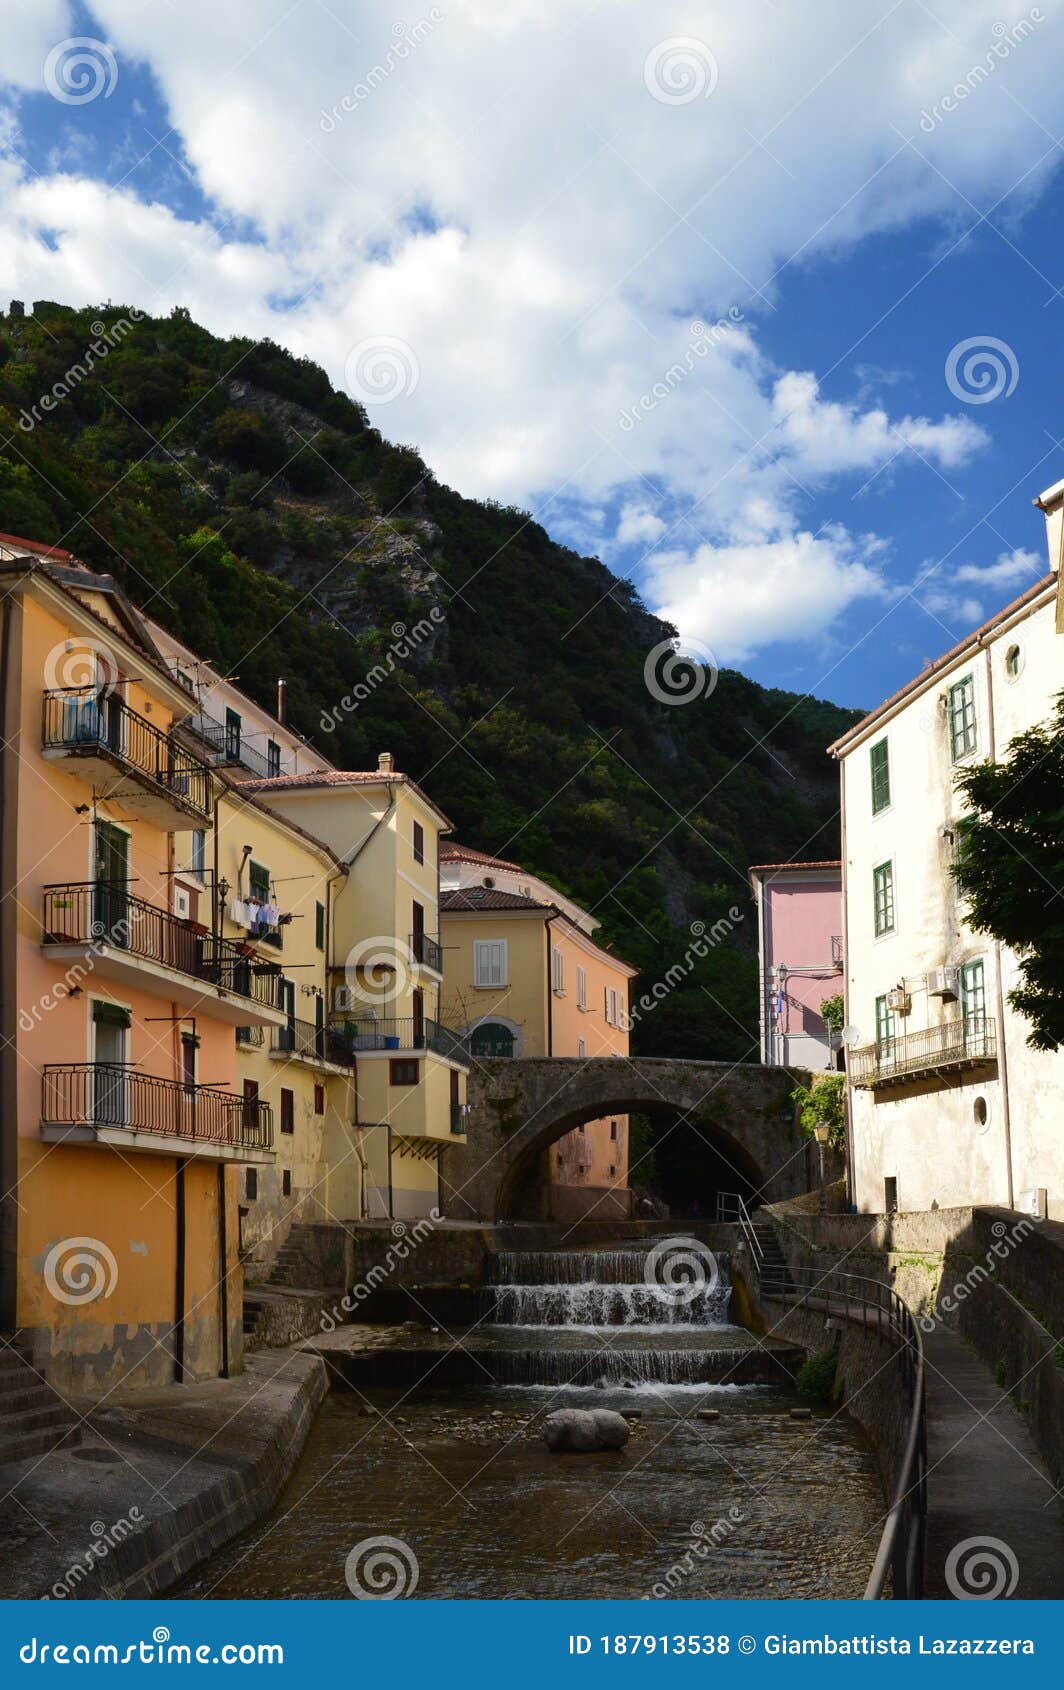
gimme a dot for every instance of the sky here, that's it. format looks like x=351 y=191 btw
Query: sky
x=757 y=301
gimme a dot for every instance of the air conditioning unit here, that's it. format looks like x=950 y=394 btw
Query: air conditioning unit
x=899 y=1001
x=343 y=998
x=942 y=983
x=1034 y=1202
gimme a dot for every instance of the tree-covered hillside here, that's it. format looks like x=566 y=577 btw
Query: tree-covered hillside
x=243 y=501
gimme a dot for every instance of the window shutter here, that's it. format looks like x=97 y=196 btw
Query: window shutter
x=111 y=1015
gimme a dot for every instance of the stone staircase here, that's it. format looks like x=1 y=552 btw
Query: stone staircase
x=773 y=1262
x=33 y=1418
x=288 y=1304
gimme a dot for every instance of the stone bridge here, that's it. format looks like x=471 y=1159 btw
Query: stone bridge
x=519 y=1107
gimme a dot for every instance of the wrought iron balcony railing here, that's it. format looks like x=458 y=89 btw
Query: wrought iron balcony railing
x=401 y=1033
x=115 y=1095
x=313 y=1043
x=427 y=951
x=86 y=722
x=965 y=1042
x=105 y=912
x=230 y=746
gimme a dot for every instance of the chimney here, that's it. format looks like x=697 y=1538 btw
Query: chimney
x=385 y=763
x=280 y=699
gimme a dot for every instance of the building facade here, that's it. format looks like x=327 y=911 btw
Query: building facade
x=948 y=1103
x=799 y=939
x=525 y=977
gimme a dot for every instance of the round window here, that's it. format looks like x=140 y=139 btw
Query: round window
x=981 y=1113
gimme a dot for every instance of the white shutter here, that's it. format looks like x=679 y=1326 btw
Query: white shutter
x=490 y=962
x=581 y=988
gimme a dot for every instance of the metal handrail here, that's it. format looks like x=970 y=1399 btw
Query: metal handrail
x=901 y=1544
x=731 y=1207
x=86 y=720
x=427 y=951
x=358 y=1033
x=964 y=1040
x=314 y=1043
x=114 y=1094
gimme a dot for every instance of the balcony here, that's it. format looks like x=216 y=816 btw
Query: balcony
x=98 y=737
x=229 y=747
x=367 y=1036
x=113 y=1103
x=311 y=1043
x=966 y=1042
x=101 y=925
x=426 y=952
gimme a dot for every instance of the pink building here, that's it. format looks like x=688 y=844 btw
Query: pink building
x=799 y=932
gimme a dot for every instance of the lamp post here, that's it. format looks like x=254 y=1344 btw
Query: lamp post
x=822 y=1133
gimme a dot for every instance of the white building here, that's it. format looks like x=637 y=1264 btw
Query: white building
x=948 y=1103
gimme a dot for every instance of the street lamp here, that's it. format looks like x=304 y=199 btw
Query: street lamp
x=822 y=1133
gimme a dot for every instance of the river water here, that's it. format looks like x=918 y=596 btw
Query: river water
x=750 y=1504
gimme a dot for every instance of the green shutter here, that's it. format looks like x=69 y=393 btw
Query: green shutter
x=963 y=735
x=879 y=757
x=883 y=898
x=319 y=926
x=111 y=1014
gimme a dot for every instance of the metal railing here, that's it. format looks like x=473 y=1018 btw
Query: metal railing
x=230 y=746
x=315 y=1044
x=250 y=1036
x=730 y=1206
x=113 y=1094
x=427 y=951
x=900 y=1554
x=105 y=912
x=966 y=1040
x=836 y=950
x=86 y=720
x=400 y=1033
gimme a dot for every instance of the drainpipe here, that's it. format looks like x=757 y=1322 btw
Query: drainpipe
x=999 y=996
x=851 y=1180
x=10 y=693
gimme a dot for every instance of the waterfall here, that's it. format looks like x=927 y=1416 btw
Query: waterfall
x=603 y=1288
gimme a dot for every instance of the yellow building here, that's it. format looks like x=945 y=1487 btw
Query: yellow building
x=121 y=1124
x=385 y=979
x=525 y=977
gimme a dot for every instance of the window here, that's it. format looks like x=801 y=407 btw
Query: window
x=199 y=852
x=581 y=988
x=890 y=1195
x=613 y=1171
x=614 y=1007
x=879 y=757
x=273 y=758
x=419 y=843
x=1013 y=662
x=581 y=1048
x=286 y=1182
x=557 y=970
x=188 y=1062
x=319 y=926
x=251 y=1105
x=288 y=1110
x=490 y=962
x=403 y=1071
x=886 y=1027
x=973 y=996
x=491 y=1038
x=319 y=1100
x=251 y=1184
x=258 y=882
x=962 y=727
x=233 y=726
x=883 y=898
x=613 y=1131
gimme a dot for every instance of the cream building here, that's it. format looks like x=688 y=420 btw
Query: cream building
x=949 y=1105
x=525 y=977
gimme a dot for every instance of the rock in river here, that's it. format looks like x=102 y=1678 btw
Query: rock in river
x=585 y=1429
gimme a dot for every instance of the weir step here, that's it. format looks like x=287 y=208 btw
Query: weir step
x=33 y=1417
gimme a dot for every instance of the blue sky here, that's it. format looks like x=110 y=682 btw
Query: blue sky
x=682 y=280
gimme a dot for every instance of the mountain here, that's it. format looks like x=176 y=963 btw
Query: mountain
x=241 y=499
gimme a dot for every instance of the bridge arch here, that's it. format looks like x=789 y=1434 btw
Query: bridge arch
x=518 y=1108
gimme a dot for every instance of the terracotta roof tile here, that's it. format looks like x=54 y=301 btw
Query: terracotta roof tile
x=486 y=898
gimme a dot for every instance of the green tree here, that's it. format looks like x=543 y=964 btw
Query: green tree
x=1010 y=867
x=824 y=1100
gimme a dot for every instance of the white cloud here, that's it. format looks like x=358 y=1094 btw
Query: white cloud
x=940 y=590
x=1018 y=567
x=510 y=200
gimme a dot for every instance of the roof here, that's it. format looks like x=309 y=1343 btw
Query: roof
x=37 y=547
x=316 y=779
x=970 y=642
x=486 y=898
x=777 y=868
x=452 y=852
